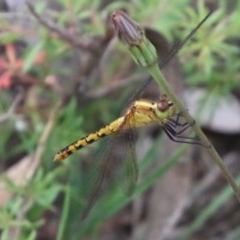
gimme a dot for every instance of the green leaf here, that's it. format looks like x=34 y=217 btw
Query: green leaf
x=31 y=56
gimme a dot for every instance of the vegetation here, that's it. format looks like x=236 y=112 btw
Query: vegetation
x=60 y=75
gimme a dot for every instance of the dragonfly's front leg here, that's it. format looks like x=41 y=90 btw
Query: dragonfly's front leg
x=174 y=123
x=170 y=129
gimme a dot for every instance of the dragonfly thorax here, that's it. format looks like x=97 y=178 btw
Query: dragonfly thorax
x=143 y=112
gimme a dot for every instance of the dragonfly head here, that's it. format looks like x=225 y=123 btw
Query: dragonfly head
x=165 y=108
x=164 y=103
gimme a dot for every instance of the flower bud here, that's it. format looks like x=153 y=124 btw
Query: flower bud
x=132 y=35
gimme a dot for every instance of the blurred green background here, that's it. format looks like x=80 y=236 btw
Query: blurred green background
x=63 y=74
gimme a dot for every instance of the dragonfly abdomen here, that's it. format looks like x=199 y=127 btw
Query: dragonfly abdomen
x=92 y=137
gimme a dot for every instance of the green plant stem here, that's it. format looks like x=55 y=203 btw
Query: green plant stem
x=159 y=78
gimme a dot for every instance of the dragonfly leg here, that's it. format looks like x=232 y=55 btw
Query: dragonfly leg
x=173 y=123
x=177 y=137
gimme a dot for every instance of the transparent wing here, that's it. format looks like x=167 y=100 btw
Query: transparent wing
x=97 y=175
x=115 y=162
x=129 y=168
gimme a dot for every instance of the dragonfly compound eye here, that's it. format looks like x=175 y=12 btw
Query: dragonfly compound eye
x=163 y=106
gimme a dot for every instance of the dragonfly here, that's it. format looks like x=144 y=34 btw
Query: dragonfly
x=140 y=113
x=118 y=125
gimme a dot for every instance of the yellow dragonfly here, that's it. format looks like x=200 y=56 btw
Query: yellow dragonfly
x=141 y=113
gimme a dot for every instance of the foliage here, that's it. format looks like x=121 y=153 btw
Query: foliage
x=51 y=68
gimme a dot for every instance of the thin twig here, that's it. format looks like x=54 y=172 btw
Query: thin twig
x=11 y=111
x=47 y=130
x=209 y=179
x=62 y=34
x=114 y=86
